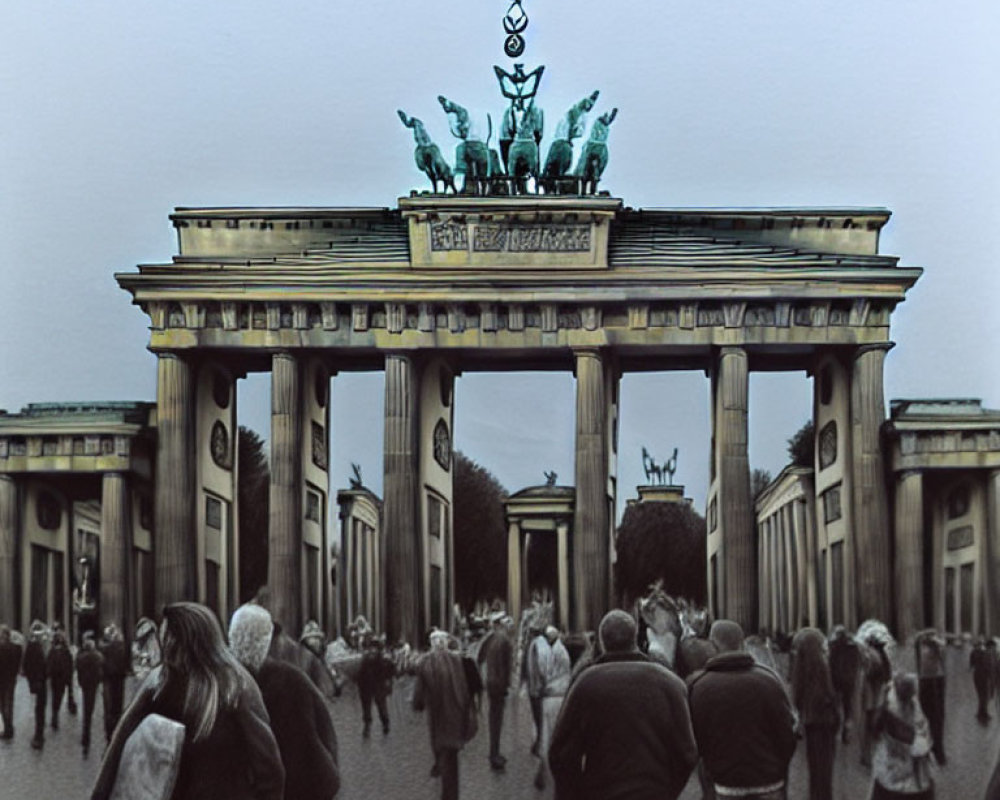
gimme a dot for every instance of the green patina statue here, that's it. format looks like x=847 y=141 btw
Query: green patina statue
x=559 y=162
x=594 y=157
x=428 y=156
x=473 y=157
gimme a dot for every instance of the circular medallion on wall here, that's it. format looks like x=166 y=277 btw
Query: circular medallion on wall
x=442 y=445
x=220 y=445
x=828 y=444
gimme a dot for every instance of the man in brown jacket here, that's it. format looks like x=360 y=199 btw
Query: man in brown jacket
x=442 y=689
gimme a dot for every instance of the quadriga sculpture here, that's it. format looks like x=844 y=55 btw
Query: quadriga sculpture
x=428 y=155
x=472 y=156
x=594 y=157
x=559 y=161
x=522 y=162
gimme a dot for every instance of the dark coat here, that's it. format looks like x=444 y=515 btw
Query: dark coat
x=89 y=669
x=10 y=663
x=237 y=760
x=59 y=665
x=623 y=732
x=302 y=725
x=34 y=665
x=845 y=664
x=116 y=660
x=442 y=689
x=285 y=648
x=497 y=653
x=375 y=673
x=742 y=720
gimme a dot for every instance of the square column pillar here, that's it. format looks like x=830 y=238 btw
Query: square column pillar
x=992 y=571
x=174 y=556
x=116 y=549
x=870 y=497
x=735 y=506
x=401 y=504
x=9 y=541
x=284 y=568
x=591 y=531
x=514 y=571
x=909 y=562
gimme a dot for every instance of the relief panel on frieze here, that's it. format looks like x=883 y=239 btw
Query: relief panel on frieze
x=489 y=237
x=449 y=236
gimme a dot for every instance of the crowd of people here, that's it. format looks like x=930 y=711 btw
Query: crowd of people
x=624 y=712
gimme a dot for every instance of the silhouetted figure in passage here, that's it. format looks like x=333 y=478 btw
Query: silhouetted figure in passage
x=930 y=647
x=375 y=682
x=10 y=666
x=35 y=671
x=59 y=667
x=982 y=664
x=845 y=667
x=116 y=667
x=497 y=653
x=90 y=674
x=816 y=701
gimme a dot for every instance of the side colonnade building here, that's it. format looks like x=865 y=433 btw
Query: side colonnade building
x=446 y=284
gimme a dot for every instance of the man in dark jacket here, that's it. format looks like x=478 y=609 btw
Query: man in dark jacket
x=497 y=653
x=299 y=715
x=375 y=683
x=743 y=720
x=624 y=729
x=116 y=668
x=35 y=671
x=10 y=666
x=90 y=673
x=59 y=666
x=845 y=667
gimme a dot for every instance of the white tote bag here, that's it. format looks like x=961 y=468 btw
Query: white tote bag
x=150 y=760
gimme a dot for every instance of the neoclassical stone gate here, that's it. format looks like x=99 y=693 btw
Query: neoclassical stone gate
x=443 y=285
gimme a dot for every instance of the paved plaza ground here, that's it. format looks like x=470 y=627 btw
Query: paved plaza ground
x=398 y=765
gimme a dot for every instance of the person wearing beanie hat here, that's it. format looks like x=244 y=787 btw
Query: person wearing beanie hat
x=300 y=719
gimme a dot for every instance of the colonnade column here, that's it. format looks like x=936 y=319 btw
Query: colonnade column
x=562 y=567
x=8 y=551
x=284 y=568
x=591 y=550
x=514 y=571
x=401 y=508
x=116 y=546
x=735 y=506
x=174 y=544
x=909 y=561
x=870 y=497
x=993 y=553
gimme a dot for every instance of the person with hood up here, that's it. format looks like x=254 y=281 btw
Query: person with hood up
x=816 y=701
x=300 y=719
x=441 y=688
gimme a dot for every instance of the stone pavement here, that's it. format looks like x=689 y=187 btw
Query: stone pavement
x=398 y=765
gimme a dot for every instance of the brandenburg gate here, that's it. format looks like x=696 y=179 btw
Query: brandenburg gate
x=444 y=284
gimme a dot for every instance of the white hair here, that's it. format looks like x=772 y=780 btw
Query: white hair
x=250 y=632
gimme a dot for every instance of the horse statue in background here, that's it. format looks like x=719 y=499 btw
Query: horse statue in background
x=651 y=468
x=662 y=615
x=427 y=155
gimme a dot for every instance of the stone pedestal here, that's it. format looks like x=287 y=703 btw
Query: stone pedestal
x=870 y=498
x=909 y=561
x=284 y=570
x=735 y=507
x=591 y=595
x=8 y=550
x=174 y=553
x=116 y=546
x=401 y=509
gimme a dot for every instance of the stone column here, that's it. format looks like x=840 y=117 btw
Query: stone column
x=562 y=556
x=909 y=561
x=514 y=571
x=116 y=547
x=284 y=567
x=870 y=498
x=591 y=591
x=992 y=570
x=403 y=564
x=9 y=540
x=735 y=505
x=174 y=543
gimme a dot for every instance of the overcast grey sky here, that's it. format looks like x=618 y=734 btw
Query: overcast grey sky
x=116 y=111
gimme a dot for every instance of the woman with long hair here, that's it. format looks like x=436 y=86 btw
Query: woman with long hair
x=816 y=701
x=229 y=751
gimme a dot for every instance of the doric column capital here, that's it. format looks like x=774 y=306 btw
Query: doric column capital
x=884 y=347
